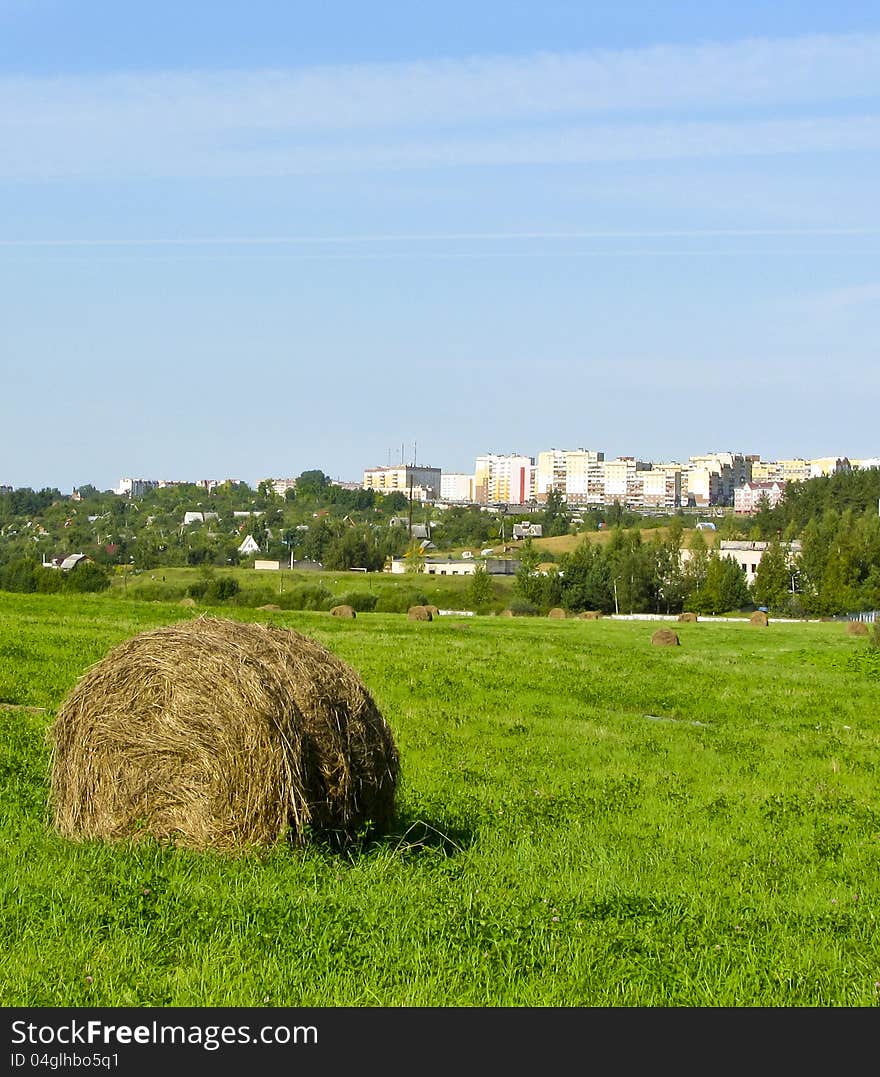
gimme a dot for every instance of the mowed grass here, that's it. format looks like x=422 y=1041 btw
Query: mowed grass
x=585 y=820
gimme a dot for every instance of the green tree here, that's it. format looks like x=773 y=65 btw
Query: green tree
x=772 y=584
x=480 y=591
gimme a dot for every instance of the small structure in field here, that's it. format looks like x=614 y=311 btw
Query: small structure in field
x=590 y=615
x=419 y=613
x=665 y=637
x=344 y=611
x=760 y=619
x=856 y=628
x=687 y=618
x=221 y=734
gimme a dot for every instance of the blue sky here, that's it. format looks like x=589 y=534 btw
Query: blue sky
x=246 y=240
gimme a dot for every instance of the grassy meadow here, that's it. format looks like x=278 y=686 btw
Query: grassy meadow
x=584 y=820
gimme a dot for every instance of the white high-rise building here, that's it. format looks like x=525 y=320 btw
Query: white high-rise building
x=577 y=474
x=502 y=479
x=456 y=486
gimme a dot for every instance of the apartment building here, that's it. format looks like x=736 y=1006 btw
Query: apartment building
x=748 y=497
x=457 y=486
x=504 y=479
x=659 y=487
x=577 y=474
x=424 y=481
x=711 y=478
x=135 y=487
x=621 y=482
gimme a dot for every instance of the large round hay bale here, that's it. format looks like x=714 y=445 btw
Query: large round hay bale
x=507 y=613
x=856 y=628
x=187 y=602
x=590 y=615
x=419 y=613
x=557 y=613
x=222 y=734
x=759 y=618
x=344 y=611
x=433 y=610
x=665 y=637
x=687 y=618
x=269 y=606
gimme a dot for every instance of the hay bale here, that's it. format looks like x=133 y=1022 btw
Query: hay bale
x=187 y=602
x=221 y=734
x=433 y=610
x=557 y=613
x=590 y=615
x=856 y=628
x=419 y=613
x=507 y=613
x=665 y=637
x=343 y=611
x=759 y=618
x=687 y=618
x=269 y=606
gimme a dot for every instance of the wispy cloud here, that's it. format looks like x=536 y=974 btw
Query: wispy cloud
x=556 y=108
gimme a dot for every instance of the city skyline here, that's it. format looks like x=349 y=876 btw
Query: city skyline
x=357 y=475
x=230 y=238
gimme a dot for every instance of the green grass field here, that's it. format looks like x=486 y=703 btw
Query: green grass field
x=585 y=820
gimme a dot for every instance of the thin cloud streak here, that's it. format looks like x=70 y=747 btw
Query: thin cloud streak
x=113 y=158
x=432 y=237
x=754 y=71
x=545 y=108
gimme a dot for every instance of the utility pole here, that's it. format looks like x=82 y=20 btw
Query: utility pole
x=616 y=607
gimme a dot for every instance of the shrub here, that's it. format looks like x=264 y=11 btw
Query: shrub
x=399 y=601
x=87 y=577
x=521 y=607
x=308 y=596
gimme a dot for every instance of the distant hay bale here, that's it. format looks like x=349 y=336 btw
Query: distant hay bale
x=221 y=734
x=419 y=613
x=665 y=637
x=590 y=615
x=856 y=628
x=433 y=610
x=507 y=613
x=187 y=602
x=688 y=618
x=269 y=606
x=759 y=618
x=344 y=611
x=557 y=613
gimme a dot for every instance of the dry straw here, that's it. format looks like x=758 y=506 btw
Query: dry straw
x=419 y=613
x=590 y=615
x=687 y=618
x=221 y=734
x=557 y=613
x=665 y=637
x=759 y=618
x=433 y=610
x=856 y=628
x=344 y=611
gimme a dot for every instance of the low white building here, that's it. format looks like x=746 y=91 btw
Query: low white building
x=748 y=554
